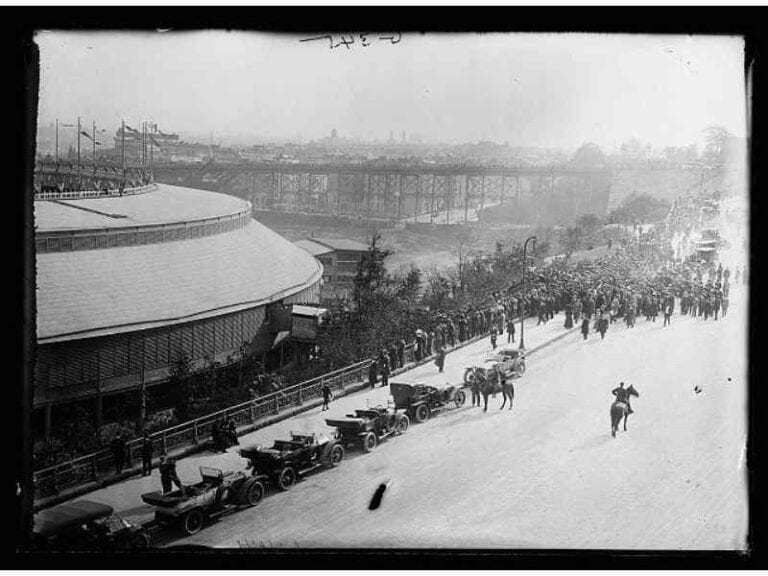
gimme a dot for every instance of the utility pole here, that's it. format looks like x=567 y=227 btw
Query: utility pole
x=525 y=290
x=57 y=144
x=79 y=176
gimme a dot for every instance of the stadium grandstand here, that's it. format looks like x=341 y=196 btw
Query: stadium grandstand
x=133 y=275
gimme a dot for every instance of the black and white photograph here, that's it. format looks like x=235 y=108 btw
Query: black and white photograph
x=383 y=290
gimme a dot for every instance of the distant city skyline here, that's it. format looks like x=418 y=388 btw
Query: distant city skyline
x=540 y=90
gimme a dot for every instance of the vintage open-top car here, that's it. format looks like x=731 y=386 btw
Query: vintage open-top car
x=508 y=361
x=217 y=493
x=367 y=427
x=86 y=525
x=419 y=401
x=286 y=460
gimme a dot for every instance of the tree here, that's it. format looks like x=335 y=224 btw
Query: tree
x=715 y=138
x=589 y=155
x=371 y=274
x=640 y=208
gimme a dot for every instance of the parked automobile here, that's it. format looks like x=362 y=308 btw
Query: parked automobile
x=86 y=525
x=420 y=401
x=287 y=460
x=217 y=493
x=366 y=428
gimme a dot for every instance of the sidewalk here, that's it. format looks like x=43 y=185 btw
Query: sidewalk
x=124 y=493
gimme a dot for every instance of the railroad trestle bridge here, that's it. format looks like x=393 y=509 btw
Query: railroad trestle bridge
x=436 y=193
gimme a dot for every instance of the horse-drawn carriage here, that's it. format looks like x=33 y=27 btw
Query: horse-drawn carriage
x=420 y=401
x=510 y=362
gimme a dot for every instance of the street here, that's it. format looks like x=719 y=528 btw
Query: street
x=548 y=473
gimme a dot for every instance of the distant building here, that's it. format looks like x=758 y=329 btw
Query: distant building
x=340 y=258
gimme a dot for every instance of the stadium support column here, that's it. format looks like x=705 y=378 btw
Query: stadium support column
x=432 y=202
x=47 y=412
x=418 y=201
x=466 y=197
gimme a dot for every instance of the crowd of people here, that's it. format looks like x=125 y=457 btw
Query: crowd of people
x=640 y=277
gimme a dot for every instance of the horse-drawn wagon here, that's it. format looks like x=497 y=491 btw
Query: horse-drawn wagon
x=368 y=427
x=510 y=362
x=420 y=401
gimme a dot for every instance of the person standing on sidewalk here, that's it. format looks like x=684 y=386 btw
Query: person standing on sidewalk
x=118 y=451
x=510 y=329
x=327 y=395
x=147 y=449
x=373 y=371
x=494 y=334
x=384 y=368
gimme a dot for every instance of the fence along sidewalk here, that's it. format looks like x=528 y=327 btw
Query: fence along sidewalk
x=90 y=468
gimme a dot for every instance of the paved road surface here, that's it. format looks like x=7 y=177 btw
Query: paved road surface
x=548 y=473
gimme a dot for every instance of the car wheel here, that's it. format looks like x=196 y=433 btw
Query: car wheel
x=469 y=375
x=402 y=424
x=140 y=541
x=521 y=368
x=369 y=442
x=251 y=493
x=193 y=521
x=422 y=413
x=460 y=398
x=287 y=478
x=336 y=455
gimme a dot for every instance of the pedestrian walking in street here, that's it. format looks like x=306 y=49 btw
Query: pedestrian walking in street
x=373 y=373
x=327 y=395
x=117 y=446
x=585 y=327
x=494 y=335
x=667 y=314
x=147 y=450
x=168 y=475
x=440 y=358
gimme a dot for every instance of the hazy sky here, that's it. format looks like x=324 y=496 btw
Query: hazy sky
x=527 y=89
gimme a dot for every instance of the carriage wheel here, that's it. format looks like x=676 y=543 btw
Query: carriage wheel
x=469 y=376
x=521 y=368
x=422 y=413
x=369 y=442
x=460 y=398
x=193 y=521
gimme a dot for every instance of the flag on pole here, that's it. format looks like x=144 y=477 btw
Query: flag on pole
x=132 y=130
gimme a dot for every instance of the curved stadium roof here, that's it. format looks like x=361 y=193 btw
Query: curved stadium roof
x=97 y=292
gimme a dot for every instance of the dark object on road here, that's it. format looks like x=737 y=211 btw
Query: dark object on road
x=217 y=493
x=420 y=401
x=377 y=496
x=86 y=525
x=697 y=389
x=286 y=460
x=366 y=428
x=620 y=410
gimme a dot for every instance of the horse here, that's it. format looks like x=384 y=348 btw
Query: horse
x=619 y=410
x=490 y=383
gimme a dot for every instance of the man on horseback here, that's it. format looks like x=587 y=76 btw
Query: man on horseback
x=622 y=395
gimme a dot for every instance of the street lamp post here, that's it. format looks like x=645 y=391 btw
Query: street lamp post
x=525 y=290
